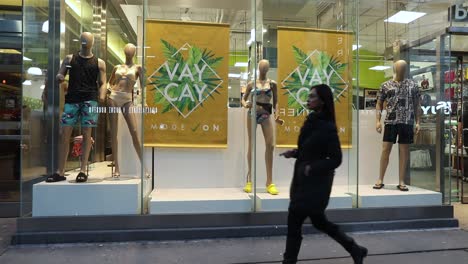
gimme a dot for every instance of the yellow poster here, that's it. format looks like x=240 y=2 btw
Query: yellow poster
x=187 y=67
x=307 y=57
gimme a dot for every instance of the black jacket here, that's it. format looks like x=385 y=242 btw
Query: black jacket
x=318 y=147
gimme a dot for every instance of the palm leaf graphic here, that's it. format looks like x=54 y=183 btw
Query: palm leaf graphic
x=190 y=100
x=320 y=62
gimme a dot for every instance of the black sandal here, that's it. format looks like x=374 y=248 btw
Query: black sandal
x=378 y=186
x=402 y=188
x=81 y=177
x=55 y=178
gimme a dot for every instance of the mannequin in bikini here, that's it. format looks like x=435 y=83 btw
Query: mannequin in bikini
x=266 y=91
x=86 y=86
x=121 y=82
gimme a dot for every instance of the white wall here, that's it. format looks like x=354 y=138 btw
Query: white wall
x=370 y=148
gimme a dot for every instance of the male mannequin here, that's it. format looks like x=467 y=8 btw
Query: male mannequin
x=86 y=85
x=122 y=81
x=400 y=97
x=265 y=90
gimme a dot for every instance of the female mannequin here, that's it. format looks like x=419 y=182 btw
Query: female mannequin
x=121 y=82
x=265 y=90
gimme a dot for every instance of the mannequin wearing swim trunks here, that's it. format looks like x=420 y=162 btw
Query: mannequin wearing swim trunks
x=87 y=84
x=266 y=90
x=121 y=82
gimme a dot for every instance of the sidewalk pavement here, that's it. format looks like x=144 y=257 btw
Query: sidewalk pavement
x=414 y=247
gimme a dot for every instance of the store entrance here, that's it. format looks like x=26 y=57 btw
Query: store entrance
x=456 y=80
x=10 y=111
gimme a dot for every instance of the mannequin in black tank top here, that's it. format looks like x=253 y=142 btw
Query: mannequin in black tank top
x=86 y=86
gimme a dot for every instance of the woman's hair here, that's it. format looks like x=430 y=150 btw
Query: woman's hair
x=326 y=95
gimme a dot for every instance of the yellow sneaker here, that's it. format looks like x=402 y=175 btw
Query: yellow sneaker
x=271 y=189
x=248 y=187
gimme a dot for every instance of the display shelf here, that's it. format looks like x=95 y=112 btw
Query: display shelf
x=390 y=196
x=339 y=199
x=201 y=200
x=96 y=197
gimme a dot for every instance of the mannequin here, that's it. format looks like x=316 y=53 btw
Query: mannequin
x=86 y=86
x=121 y=82
x=266 y=90
x=400 y=97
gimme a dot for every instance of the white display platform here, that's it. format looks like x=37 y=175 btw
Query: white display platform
x=111 y=197
x=206 y=200
x=266 y=202
x=390 y=196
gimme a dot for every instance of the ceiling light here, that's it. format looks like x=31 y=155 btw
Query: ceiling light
x=27 y=82
x=234 y=75
x=34 y=71
x=26 y=58
x=9 y=51
x=241 y=64
x=355 y=47
x=404 y=17
x=380 y=68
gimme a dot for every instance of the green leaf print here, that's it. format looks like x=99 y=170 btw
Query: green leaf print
x=305 y=75
x=183 y=78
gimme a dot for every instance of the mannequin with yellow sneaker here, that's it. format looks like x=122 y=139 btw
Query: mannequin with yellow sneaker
x=266 y=92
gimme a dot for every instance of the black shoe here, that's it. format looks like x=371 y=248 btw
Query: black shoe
x=81 y=177
x=358 y=254
x=55 y=178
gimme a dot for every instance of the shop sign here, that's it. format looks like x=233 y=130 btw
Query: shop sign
x=442 y=105
x=458 y=13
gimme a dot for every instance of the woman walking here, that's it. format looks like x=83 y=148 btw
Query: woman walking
x=317 y=156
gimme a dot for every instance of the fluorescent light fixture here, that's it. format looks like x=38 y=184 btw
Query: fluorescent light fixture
x=241 y=64
x=9 y=51
x=45 y=27
x=380 y=68
x=27 y=82
x=26 y=58
x=244 y=76
x=234 y=75
x=404 y=17
x=355 y=47
x=42 y=87
x=34 y=71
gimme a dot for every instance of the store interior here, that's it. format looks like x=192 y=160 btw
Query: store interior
x=204 y=180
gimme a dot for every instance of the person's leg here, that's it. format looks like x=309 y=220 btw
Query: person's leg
x=64 y=147
x=67 y=122
x=389 y=139
x=294 y=238
x=268 y=133
x=404 y=156
x=89 y=118
x=405 y=138
x=114 y=127
x=321 y=223
x=87 y=144
x=249 y=148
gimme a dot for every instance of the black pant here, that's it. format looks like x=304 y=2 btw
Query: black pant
x=296 y=218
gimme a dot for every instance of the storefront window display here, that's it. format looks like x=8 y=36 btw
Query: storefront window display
x=156 y=107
